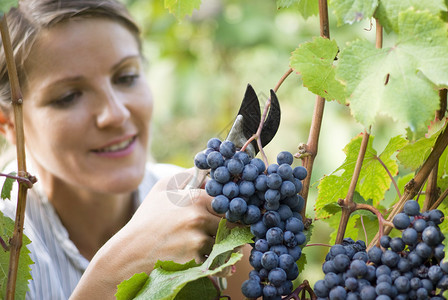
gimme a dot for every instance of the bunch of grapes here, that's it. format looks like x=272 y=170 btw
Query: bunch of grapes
x=407 y=267
x=266 y=198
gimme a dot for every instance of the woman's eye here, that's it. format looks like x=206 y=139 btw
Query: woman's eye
x=66 y=100
x=127 y=79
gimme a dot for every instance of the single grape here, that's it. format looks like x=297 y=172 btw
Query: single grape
x=274 y=181
x=243 y=156
x=338 y=293
x=358 y=267
x=375 y=254
x=250 y=172
x=410 y=236
x=200 y=161
x=215 y=159
x=255 y=259
x=213 y=188
x=222 y=175
x=235 y=166
x=220 y=204
x=269 y=260
x=227 y=149
x=341 y=262
x=277 y=276
x=214 y=143
x=300 y=172
x=274 y=236
x=431 y=236
x=285 y=171
x=287 y=189
x=272 y=219
x=397 y=244
x=230 y=190
x=246 y=188
x=272 y=169
x=258 y=229
x=251 y=289
x=320 y=289
x=259 y=164
x=411 y=208
x=285 y=157
x=420 y=225
x=401 y=221
x=252 y=215
x=261 y=183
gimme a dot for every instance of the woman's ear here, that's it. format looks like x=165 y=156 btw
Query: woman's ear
x=7 y=128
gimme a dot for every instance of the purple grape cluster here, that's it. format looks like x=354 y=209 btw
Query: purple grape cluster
x=409 y=266
x=266 y=198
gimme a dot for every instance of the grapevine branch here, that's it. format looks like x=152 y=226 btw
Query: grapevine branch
x=440 y=200
x=16 y=96
x=347 y=204
x=308 y=152
x=432 y=192
x=413 y=186
x=28 y=180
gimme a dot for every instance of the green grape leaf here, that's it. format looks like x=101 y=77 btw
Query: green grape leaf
x=414 y=154
x=181 y=8
x=314 y=61
x=168 y=278
x=349 y=12
x=388 y=10
x=5 y=6
x=128 y=289
x=373 y=180
x=7 y=187
x=306 y=8
x=399 y=81
x=23 y=273
x=190 y=291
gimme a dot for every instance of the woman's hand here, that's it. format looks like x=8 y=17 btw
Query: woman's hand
x=171 y=224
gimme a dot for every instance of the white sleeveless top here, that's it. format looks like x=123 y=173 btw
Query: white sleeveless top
x=58 y=264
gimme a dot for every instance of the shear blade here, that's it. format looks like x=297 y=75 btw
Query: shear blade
x=272 y=121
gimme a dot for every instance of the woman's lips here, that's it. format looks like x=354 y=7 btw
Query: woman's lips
x=118 y=149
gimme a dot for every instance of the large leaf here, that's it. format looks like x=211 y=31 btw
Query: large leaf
x=373 y=180
x=168 y=278
x=5 y=6
x=400 y=81
x=351 y=11
x=314 y=61
x=307 y=8
x=23 y=273
x=389 y=10
x=181 y=8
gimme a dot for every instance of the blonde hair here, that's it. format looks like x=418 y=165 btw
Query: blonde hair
x=26 y=21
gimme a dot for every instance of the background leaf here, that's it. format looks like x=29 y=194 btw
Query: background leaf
x=314 y=61
x=181 y=8
x=400 y=81
x=351 y=11
x=388 y=10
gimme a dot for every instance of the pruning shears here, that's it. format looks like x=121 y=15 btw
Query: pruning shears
x=245 y=126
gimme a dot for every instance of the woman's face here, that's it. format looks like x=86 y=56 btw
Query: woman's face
x=87 y=106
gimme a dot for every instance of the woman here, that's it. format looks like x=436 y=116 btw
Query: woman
x=87 y=108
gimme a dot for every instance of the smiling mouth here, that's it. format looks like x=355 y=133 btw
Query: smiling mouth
x=117 y=147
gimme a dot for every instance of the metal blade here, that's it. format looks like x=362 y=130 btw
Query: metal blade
x=272 y=121
x=250 y=110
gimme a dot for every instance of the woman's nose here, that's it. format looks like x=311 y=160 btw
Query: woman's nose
x=114 y=112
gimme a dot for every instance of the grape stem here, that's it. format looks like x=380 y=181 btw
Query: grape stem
x=432 y=192
x=28 y=180
x=347 y=205
x=440 y=200
x=304 y=287
x=17 y=100
x=390 y=175
x=308 y=152
x=318 y=244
